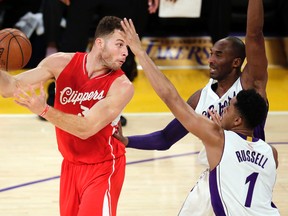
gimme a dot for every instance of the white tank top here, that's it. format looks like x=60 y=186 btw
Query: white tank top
x=208 y=100
x=242 y=183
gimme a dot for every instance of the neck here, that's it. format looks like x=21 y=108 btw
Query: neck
x=222 y=86
x=94 y=66
x=244 y=132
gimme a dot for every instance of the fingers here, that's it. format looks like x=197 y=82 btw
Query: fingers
x=21 y=93
x=128 y=26
x=22 y=98
x=215 y=116
x=129 y=31
x=31 y=100
x=125 y=25
x=42 y=91
x=132 y=26
x=32 y=92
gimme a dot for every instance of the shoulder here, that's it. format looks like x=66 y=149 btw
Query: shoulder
x=121 y=90
x=56 y=62
x=122 y=85
x=194 y=99
x=275 y=154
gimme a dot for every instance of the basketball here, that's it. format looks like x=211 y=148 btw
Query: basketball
x=15 y=49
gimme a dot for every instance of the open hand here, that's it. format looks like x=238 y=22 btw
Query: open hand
x=35 y=103
x=215 y=117
x=131 y=37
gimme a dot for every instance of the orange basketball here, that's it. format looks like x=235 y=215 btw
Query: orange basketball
x=15 y=49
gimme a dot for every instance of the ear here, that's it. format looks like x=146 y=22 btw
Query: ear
x=238 y=121
x=237 y=62
x=99 y=42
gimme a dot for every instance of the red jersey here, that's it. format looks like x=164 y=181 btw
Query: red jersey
x=75 y=94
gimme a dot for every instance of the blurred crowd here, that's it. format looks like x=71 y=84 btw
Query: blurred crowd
x=64 y=25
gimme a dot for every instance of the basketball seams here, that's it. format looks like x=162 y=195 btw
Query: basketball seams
x=7 y=55
x=5 y=36
x=20 y=48
x=16 y=49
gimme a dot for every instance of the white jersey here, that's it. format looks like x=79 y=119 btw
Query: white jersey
x=242 y=183
x=210 y=100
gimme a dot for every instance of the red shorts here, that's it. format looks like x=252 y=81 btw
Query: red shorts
x=91 y=189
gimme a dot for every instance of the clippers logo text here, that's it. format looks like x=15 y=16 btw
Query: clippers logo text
x=68 y=95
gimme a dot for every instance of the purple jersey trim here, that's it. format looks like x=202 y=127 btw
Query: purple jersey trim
x=214 y=193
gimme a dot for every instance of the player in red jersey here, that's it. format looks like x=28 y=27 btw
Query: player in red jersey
x=91 y=92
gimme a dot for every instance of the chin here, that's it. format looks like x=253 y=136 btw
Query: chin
x=213 y=76
x=117 y=68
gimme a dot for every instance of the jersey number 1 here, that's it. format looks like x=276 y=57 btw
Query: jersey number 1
x=252 y=179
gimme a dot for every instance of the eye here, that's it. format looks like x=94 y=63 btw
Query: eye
x=120 y=44
x=218 y=54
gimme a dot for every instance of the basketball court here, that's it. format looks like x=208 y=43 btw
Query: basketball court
x=156 y=183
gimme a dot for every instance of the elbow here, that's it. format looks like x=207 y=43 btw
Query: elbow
x=6 y=94
x=256 y=36
x=84 y=131
x=83 y=135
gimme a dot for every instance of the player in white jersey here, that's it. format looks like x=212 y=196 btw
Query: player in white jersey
x=208 y=100
x=242 y=182
x=245 y=111
x=227 y=79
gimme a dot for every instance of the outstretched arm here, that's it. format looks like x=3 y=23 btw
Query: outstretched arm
x=158 y=140
x=255 y=73
x=196 y=124
x=161 y=139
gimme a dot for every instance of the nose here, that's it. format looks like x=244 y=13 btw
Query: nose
x=125 y=52
x=210 y=59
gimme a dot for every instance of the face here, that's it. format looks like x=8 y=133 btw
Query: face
x=221 y=60
x=229 y=116
x=114 y=51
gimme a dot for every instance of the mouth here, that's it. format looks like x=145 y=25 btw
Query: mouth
x=212 y=70
x=122 y=62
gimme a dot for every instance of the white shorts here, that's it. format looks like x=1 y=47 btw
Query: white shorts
x=198 y=202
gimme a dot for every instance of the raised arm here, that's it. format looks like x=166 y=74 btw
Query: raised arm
x=255 y=73
x=196 y=124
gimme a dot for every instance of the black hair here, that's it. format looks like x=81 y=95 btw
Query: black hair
x=108 y=25
x=238 y=47
x=252 y=107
